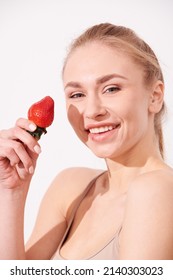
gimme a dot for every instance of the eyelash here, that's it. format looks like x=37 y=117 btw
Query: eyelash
x=111 y=89
x=77 y=95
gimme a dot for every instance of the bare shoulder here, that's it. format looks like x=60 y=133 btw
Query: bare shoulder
x=152 y=190
x=78 y=173
x=55 y=210
x=70 y=183
x=66 y=189
x=147 y=231
x=75 y=177
x=160 y=181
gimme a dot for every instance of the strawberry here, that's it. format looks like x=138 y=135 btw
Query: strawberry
x=42 y=114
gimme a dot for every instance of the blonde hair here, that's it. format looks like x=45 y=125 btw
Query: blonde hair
x=127 y=41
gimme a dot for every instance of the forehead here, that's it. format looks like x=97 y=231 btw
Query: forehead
x=97 y=59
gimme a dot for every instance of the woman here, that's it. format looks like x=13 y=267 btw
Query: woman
x=114 y=94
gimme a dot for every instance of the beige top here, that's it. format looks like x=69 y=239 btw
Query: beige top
x=108 y=252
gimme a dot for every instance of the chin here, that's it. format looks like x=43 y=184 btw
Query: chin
x=105 y=152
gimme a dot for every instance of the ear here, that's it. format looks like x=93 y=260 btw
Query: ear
x=156 y=97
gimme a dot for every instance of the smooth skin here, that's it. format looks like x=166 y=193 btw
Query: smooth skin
x=102 y=88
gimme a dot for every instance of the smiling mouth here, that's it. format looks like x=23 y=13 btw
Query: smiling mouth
x=103 y=129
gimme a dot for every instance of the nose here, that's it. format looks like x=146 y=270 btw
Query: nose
x=94 y=108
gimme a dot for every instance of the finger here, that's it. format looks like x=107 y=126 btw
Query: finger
x=26 y=124
x=15 y=152
x=20 y=135
x=10 y=156
x=22 y=173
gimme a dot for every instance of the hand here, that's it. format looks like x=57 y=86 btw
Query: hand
x=18 y=154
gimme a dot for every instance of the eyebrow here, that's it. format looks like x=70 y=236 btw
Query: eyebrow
x=99 y=80
x=106 y=78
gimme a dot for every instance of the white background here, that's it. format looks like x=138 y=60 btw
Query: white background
x=34 y=36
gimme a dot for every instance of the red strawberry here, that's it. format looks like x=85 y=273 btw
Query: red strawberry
x=42 y=114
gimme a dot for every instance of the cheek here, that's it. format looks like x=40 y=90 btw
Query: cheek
x=74 y=116
x=136 y=103
x=76 y=121
x=137 y=117
x=132 y=111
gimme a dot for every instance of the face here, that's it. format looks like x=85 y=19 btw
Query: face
x=107 y=102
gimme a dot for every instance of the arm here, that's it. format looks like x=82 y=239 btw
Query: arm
x=17 y=163
x=148 y=225
x=11 y=225
x=50 y=223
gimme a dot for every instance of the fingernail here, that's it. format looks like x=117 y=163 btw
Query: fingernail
x=32 y=127
x=31 y=170
x=37 y=149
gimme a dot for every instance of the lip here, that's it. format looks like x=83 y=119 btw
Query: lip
x=104 y=136
x=90 y=126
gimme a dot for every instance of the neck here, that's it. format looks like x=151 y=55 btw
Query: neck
x=123 y=170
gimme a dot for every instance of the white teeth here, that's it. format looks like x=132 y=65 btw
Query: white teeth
x=101 y=129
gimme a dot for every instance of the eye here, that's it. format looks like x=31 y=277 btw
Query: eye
x=77 y=95
x=112 y=89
